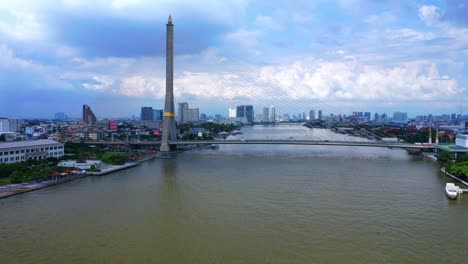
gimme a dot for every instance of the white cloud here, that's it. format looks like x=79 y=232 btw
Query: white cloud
x=410 y=34
x=245 y=39
x=267 y=22
x=22 y=26
x=429 y=14
x=301 y=18
x=381 y=19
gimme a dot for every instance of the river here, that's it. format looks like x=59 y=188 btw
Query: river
x=246 y=204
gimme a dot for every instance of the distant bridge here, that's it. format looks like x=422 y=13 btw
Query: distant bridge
x=274 y=142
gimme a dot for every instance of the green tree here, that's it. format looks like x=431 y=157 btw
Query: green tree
x=445 y=158
x=2 y=137
x=17 y=176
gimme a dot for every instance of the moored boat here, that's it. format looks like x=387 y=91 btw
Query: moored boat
x=451 y=190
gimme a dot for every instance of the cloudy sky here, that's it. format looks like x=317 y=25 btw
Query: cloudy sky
x=340 y=56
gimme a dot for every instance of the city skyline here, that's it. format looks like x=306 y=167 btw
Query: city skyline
x=51 y=60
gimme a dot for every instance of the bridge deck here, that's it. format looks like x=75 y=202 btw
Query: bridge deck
x=305 y=142
x=276 y=142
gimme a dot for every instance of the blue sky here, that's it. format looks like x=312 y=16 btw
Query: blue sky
x=339 y=56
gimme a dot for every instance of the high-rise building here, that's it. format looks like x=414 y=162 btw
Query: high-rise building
x=266 y=114
x=311 y=115
x=14 y=124
x=157 y=114
x=180 y=112
x=245 y=111
x=272 y=114
x=186 y=115
x=60 y=116
x=191 y=116
x=320 y=114
x=383 y=118
x=376 y=117
x=232 y=112
x=367 y=115
x=4 y=125
x=400 y=117
x=203 y=116
x=147 y=113
x=88 y=115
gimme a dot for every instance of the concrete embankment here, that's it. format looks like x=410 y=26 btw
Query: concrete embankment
x=13 y=189
x=454 y=177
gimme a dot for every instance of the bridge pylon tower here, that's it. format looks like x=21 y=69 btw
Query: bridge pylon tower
x=169 y=127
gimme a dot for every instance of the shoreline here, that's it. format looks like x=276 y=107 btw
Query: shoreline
x=433 y=158
x=29 y=187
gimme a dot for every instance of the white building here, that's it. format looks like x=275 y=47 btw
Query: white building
x=84 y=166
x=4 y=125
x=266 y=114
x=272 y=114
x=232 y=112
x=312 y=115
x=462 y=140
x=15 y=125
x=18 y=151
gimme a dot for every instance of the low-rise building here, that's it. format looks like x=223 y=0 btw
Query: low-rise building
x=18 y=151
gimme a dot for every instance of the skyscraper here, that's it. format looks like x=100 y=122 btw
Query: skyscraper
x=147 y=113
x=320 y=114
x=400 y=117
x=312 y=115
x=88 y=115
x=245 y=111
x=181 y=111
x=157 y=115
x=272 y=114
x=266 y=114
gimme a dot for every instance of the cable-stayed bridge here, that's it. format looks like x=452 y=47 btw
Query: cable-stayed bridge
x=237 y=84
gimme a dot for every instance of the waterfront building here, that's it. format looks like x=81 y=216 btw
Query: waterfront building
x=272 y=114
x=311 y=115
x=146 y=113
x=245 y=111
x=88 y=115
x=18 y=151
x=320 y=117
x=82 y=165
x=266 y=114
x=232 y=112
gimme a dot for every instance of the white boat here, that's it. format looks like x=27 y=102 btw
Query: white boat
x=451 y=190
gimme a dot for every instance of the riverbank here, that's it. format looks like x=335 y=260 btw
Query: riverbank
x=14 y=189
x=454 y=177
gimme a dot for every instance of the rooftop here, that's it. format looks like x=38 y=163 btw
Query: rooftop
x=452 y=148
x=29 y=143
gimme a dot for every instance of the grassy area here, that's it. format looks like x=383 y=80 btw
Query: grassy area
x=115 y=158
x=4 y=181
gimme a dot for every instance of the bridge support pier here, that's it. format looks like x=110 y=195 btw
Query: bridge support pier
x=169 y=126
